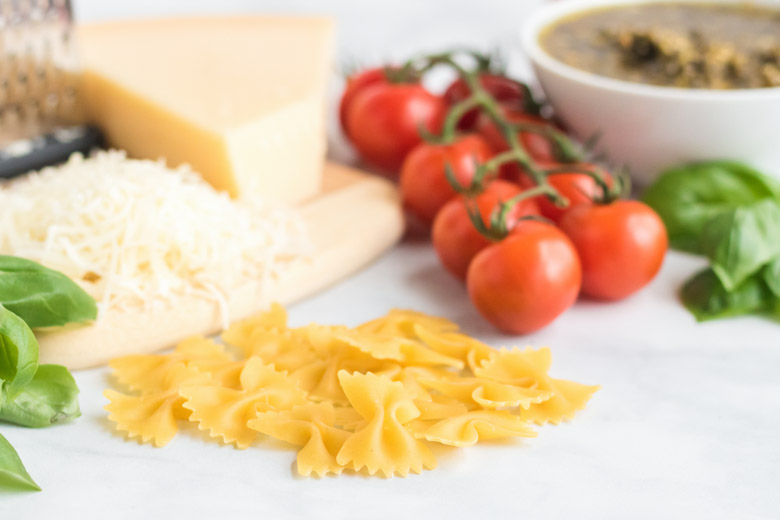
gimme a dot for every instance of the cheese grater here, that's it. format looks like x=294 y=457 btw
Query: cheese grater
x=42 y=117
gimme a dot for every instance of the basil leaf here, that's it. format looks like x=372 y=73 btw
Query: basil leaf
x=772 y=277
x=741 y=241
x=18 y=352
x=12 y=472
x=51 y=397
x=688 y=196
x=707 y=299
x=40 y=296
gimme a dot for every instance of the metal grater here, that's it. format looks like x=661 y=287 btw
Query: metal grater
x=42 y=117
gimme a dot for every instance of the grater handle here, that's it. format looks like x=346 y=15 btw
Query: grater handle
x=47 y=150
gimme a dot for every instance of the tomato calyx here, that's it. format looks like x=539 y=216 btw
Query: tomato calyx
x=500 y=225
x=610 y=191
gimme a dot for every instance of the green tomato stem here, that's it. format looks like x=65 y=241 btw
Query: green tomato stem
x=456 y=113
x=608 y=194
x=500 y=215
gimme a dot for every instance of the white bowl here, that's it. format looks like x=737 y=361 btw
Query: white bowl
x=650 y=128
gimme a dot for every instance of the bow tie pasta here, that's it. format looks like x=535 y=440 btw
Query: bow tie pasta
x=370 y=399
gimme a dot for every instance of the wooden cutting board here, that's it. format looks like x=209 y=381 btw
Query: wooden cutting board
x=352 y=221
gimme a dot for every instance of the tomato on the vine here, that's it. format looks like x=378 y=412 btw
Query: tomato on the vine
x=577 y=188
x=384 y=121
x=528 y=279
x=621 y=246
x=510 y=94
x=355 y=84
x=455 y=238
x=424 y=184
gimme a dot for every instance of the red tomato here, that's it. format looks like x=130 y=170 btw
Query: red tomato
x=424 y=185
x=509 y=93
x=621 y=245
x=355 y=84
x=577 y=188
x=383 y=121
x=538 y=147
x=527 y=280
x=455 y=238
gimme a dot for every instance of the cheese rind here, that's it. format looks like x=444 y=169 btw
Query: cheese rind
x=242 y=100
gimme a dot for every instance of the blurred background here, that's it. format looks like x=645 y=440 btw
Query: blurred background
x=369 y=30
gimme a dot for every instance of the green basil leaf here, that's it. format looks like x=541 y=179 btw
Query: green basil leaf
x=772 y=277
x=51 y=397
x=42 y=297
x=18 y=352
x=12 y=472
x=688 y=196
x=741 y=241
x=707 y=299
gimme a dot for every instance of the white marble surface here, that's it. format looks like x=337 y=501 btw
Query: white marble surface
x=687 y=424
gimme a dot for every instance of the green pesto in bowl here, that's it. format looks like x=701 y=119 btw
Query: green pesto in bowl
x=684 y=45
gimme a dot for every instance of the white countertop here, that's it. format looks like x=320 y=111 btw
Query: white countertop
x=686 y=425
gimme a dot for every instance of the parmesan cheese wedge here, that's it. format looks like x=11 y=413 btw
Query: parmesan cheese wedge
x=242 y=100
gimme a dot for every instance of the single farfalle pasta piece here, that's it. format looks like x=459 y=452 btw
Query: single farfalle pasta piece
x=288 y=350
x=401 y=322
x=224 y=412
x=148 y=373
x=468 y=428
x=470 y=351
x=403 y=350
x=489 y=394
x=153 y=416
x=243 y=334
x=567 y=397
x=382 y=443
x=311 y=426
x=440 y=407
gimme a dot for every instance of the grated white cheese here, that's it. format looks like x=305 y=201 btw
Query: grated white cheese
x=151 y=234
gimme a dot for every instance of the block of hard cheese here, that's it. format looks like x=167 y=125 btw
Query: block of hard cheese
x=242 y=100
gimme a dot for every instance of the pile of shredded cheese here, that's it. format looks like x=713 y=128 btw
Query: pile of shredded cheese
x=136 y=234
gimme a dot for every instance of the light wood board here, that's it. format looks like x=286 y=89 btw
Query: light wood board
x=354 y=220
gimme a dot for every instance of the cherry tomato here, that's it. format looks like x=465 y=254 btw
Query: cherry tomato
x=527 y=280
x=577 y=188
x=509 y=93
x=383 y=121
x=537 y=146
x=455 y=238
x=621 y=245
x=424 y=185
x=355 y=84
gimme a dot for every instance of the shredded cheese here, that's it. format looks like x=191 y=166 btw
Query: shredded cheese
x=136 y=234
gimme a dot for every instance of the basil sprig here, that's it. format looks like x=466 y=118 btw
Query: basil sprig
x=34 y=395
x=40 y=296
x=730 y=214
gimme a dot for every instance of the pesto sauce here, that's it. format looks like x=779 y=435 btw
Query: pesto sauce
x=688 y=45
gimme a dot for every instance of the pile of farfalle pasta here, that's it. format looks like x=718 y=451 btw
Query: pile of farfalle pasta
x=370 y=397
